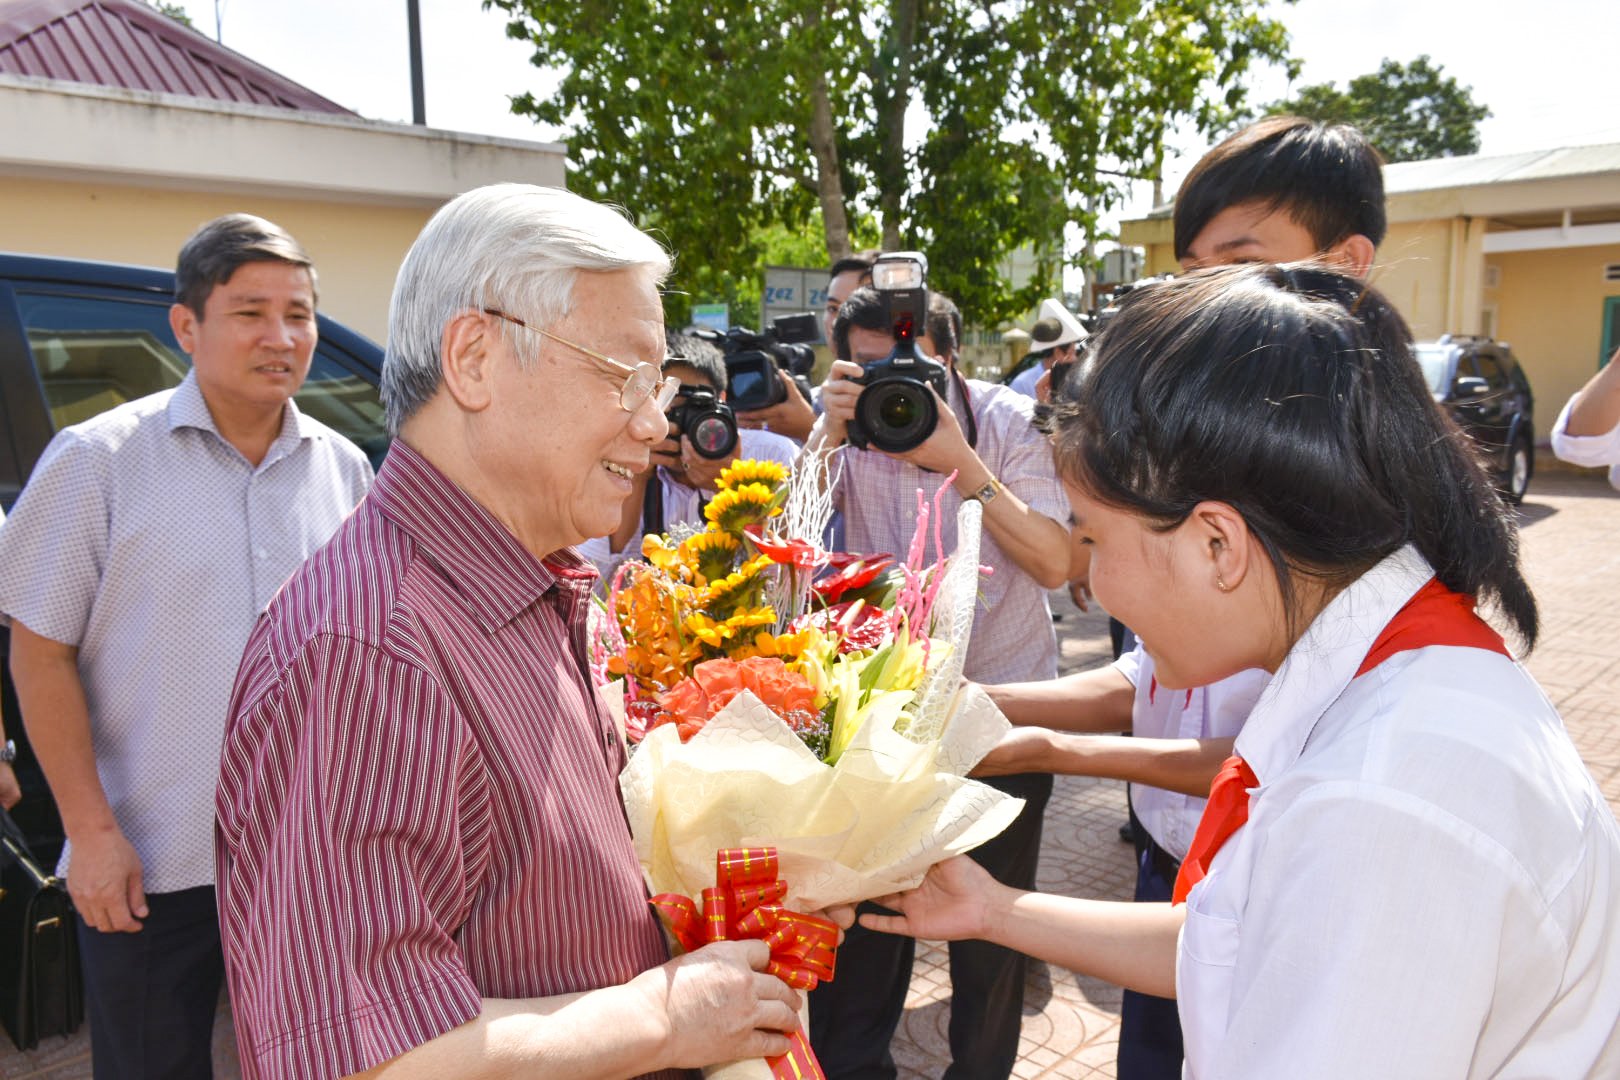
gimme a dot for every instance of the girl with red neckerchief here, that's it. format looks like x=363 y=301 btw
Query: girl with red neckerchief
x=1405 y=870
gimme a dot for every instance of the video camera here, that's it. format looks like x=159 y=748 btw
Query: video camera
x=752 y=360
x=706 y=420
x=896 y=412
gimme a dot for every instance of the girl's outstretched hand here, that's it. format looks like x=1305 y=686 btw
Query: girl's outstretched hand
x=958 y=899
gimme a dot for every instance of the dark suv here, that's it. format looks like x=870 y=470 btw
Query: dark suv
x=1482 y=386
x=78 y=338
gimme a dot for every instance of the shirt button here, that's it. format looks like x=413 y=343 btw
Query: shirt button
x=260 y=553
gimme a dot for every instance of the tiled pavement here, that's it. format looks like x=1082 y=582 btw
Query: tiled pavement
x=1571 y=540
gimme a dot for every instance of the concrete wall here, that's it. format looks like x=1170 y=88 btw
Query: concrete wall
x=1549 y=307
x=125 y=176
x=357 y=249
x=1424 y=269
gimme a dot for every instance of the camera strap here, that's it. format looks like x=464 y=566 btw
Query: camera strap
x=967 y=403
x=652 y=507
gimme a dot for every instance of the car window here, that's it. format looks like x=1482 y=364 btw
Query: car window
x=97 y=352
x=1435 y=360
x=347 y=403
x=94 y=353
x=1491 y=370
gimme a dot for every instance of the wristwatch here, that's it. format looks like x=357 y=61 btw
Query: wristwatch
x=8 y=753
x=986 y=494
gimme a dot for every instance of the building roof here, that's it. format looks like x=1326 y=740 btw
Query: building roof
x=1476 y=169
x=125 y=43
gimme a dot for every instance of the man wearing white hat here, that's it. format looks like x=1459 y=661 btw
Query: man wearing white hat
x=1057 y=335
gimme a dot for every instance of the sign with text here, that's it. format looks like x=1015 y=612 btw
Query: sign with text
x=792 y=290
x=712 y=316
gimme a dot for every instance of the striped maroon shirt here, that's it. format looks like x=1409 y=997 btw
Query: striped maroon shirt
x=418 y=804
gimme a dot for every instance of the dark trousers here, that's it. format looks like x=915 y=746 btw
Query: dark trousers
x=853 y=1018
x=1150 y=1027
x=151 y=996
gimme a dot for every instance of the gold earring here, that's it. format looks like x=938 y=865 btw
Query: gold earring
x=1221 y=585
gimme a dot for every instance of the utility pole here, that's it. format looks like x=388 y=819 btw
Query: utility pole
x=418 y=97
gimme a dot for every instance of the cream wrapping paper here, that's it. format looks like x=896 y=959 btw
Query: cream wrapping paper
x=871 y=824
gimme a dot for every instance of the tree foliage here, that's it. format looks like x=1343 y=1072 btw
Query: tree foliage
x=963 y=129
x=177 y=12
x=1409 y=111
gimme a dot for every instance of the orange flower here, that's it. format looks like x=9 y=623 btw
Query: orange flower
x=714 y=683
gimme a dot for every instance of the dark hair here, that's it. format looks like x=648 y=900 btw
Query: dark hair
x=1326 y=177
x=860 y=261
x=944 y=324
x=223 y=246
x=1290 y=393
x=694 y=352
x=863 y=308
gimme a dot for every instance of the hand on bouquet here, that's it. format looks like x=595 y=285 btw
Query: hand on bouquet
x=840 y=915
x=717 y=1004
x=956 y=901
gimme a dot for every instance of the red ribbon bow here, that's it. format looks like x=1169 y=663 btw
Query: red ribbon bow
x=746 y=902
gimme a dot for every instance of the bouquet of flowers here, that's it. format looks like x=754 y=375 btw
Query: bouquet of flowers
x=784 y=696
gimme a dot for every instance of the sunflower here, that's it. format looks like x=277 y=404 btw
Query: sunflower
x=737 y=507
x=708 y=631
x=785 y=647
x=751 y=618
x=747 y=471
x=738 y=589
x=710 y=553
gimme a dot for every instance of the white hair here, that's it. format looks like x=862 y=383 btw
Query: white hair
x=514 y=247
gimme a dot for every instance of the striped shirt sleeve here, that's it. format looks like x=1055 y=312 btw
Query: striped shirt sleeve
x=348 y=792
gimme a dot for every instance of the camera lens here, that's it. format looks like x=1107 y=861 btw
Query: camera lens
x=897 y=414
x=713 y=437
x=898 y=411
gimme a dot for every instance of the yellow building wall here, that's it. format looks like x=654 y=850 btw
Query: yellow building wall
x=1413 y=269
x=356 y=247
x=1549 y=307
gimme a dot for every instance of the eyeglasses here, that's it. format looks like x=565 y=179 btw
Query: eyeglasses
x=641 y=382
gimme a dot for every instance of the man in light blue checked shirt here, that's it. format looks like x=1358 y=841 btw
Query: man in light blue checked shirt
x=132 y=568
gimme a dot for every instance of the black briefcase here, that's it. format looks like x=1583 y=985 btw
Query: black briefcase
x=41 y=989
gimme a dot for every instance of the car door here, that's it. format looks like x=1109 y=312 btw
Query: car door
x=1497 y=406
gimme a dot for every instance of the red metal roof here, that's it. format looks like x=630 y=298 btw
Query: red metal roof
x=125 y=43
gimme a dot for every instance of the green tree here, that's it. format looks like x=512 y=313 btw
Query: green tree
x=174 y=11
x=1409 y=111
x=963 y=128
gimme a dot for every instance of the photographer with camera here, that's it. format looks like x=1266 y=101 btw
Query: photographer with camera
x=704 y=438
x=787 y=414
x=911 y=421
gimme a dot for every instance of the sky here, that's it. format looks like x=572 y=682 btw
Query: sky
x=1545 y=70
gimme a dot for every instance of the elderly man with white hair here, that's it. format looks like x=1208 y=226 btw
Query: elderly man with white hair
x=424 y=868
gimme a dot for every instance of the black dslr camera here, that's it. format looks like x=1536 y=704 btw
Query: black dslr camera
x=895 y=412
x=753 y=359
x=706 y=420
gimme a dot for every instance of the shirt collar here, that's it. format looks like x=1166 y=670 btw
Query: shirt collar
x=495 y=575
x=188 y=409
x=1324 y=660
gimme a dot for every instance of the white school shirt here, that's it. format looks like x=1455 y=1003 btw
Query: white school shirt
x=1428 y=884
x=1208 y=712
x=1590 y=450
